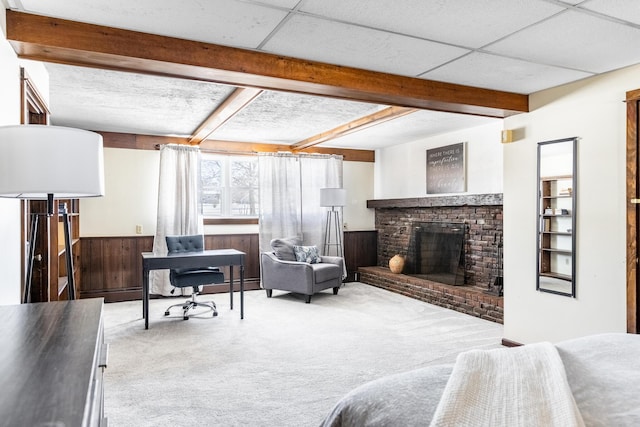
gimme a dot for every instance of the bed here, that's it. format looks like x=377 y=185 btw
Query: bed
x=602 y=375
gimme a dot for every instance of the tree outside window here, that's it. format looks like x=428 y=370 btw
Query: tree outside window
x=229 y=186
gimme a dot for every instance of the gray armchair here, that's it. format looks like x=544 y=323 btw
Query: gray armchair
x=280 y=270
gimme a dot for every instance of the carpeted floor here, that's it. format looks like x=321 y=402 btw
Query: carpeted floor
x=285 y=364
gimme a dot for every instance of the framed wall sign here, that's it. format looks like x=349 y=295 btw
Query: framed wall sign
x=446 y=169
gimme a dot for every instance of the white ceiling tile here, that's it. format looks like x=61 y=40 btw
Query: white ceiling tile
x=286 y=118
x=412 y=127
x=125 y=102
x=342 y=44
x=460 y=22
x=626 y=10
x=226 y=22
x=575 y=40
x=288 y=4
x=500 y=73
x=551 y=47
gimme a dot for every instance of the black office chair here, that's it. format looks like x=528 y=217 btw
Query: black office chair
x=194 y=277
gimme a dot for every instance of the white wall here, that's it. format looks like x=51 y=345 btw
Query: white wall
x=131 y=197
x=358 y=182
x=9 y=209
x=592 y=110
x=10 y=115
x=401 y=170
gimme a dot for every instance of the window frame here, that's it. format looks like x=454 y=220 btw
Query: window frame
x=225 y=197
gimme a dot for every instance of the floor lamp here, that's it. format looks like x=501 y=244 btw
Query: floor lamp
x=39 y=162
x=333 y=198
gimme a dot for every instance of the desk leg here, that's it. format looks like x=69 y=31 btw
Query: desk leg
x=145 y=297
x=231 y=286
x=241 y=291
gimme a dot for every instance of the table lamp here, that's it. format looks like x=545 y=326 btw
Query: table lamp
x=39 y=162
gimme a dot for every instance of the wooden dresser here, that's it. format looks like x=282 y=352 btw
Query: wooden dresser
x=52 y=358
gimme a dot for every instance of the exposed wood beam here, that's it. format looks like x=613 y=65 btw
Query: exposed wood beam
x=137 y=142
x=151 y=142
x=235 y=102
x=57 y=40
x=362 y=123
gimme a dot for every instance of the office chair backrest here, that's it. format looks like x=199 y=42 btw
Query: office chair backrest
x=191 y=243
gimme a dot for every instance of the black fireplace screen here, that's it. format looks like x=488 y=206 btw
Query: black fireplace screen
x=436 y=252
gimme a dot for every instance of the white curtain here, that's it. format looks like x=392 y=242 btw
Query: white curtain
x=179 y=208
x=290 y=195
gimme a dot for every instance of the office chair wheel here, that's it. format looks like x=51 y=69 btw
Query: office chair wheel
x=215 y=313
x=166 y=313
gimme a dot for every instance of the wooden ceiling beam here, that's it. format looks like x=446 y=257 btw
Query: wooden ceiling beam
x=362 y=123
x=62 y=41
x=235 y=102
x=151 y=142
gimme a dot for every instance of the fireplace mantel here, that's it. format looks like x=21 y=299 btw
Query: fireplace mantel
x=494 y=199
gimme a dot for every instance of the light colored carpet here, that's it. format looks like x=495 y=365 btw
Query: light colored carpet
x=285 y=364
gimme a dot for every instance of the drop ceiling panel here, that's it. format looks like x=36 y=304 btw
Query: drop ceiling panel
x=575 y=40
x=286 y=118
x=287 y=4
x=514 y=45
x=342 y=44
x=500 y=73
x=627 y=10
x=412 y=127
x=125 y=102
x=459 y=22
x=226 y=22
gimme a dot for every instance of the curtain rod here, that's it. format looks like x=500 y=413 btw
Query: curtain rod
x=255 y=153
x=212 y=151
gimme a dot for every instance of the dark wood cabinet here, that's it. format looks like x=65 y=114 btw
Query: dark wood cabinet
x=53 y=357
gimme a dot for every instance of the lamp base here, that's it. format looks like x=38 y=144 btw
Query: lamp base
x=333 y=234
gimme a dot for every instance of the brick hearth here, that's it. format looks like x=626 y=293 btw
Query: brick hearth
x=465 y=299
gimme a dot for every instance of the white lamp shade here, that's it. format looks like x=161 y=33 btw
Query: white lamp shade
x=36 y=160
x=330 y=197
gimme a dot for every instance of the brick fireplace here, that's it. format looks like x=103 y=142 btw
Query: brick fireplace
x=481 y=215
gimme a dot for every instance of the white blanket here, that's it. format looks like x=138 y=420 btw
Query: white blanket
x=522 y=386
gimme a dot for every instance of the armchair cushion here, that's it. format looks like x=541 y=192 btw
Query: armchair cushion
x=308 y=254
x=283 y=248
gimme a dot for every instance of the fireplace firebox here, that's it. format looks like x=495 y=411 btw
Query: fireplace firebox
x=436 y=252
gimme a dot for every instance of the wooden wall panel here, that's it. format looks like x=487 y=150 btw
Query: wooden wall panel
x=360 y=250
x=91 y=266
x=111 y=267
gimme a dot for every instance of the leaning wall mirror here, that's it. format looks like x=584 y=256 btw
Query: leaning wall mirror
x=557 y=192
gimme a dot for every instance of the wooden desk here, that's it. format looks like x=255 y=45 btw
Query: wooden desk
x=52 y=356
x=207 y=258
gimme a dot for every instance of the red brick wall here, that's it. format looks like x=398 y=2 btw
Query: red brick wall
x=484 y=232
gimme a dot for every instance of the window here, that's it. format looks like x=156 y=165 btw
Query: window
x=229 y=186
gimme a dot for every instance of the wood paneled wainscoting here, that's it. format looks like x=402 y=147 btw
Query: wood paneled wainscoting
x=111 y=267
